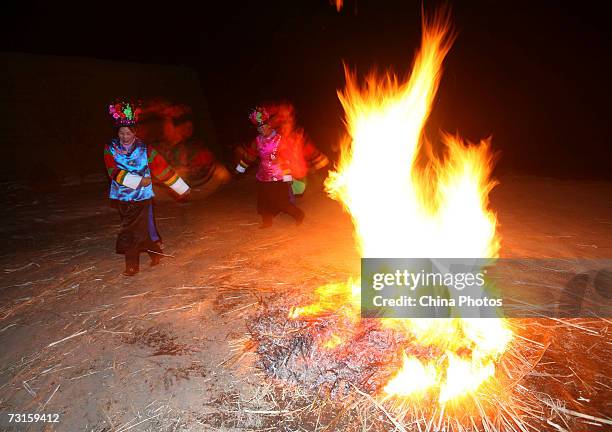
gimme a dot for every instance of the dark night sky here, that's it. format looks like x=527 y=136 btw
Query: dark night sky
x=532 y=74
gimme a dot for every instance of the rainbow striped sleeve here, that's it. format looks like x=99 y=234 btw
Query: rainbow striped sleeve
x=111 y=167
x=320 y=161
x=314 y=157
x=165 y=173
x=248 y=155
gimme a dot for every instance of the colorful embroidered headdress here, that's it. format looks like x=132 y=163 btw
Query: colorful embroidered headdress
x=259 y=116
x=124 y=113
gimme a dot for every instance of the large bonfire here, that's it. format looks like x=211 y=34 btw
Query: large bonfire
x=400 y=209
x=409 y=200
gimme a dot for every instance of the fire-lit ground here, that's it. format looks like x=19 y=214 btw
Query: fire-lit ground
x=154 y=352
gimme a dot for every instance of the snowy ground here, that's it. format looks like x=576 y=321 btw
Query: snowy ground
x=111 y=353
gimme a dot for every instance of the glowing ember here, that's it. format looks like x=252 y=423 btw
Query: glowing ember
x=406 y=202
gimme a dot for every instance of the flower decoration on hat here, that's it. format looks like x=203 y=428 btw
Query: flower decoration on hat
x=259 y=116
x=124 y=113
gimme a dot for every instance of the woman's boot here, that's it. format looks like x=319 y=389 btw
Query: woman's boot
x=131 y=264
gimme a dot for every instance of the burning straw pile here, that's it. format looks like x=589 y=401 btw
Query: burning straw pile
x=308 y=353
x=554 y=376
x=408 y=200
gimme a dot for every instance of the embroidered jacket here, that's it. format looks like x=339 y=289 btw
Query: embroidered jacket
x=281 y=158
x=127 y=168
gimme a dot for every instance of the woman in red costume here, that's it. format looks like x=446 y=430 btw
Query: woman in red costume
x=284 y=156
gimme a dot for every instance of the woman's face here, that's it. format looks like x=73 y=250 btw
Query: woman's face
x=126 y=135
x=264 y=129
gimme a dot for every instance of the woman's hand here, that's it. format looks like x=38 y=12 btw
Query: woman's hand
x=185 y=196
x=146 y=181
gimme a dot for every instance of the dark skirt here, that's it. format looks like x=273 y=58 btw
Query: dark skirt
x=138 y=231
x=275 y=197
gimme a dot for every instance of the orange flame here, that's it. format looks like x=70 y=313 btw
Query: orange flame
x=337 y=3
x=412 y=378
x=404 y=207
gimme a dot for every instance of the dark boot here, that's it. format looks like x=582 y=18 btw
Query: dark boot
x=131 y=265
x=266 y=221
x=155 y=254
x=300 y=217
x=155 y=258
x=295 y=212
